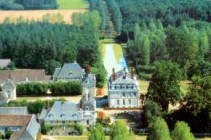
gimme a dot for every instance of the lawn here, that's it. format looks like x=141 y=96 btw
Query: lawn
x=73 y=4
x=117 y=52
x=74 y=138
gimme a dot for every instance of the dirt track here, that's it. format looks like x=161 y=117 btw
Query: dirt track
x=38 y=14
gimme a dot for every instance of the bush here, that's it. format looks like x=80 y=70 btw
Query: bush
x=8 y=134
x=79 y=128
x=45 y=128
x=145 y=68
x=57 y=89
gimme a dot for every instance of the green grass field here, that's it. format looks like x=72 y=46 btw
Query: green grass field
x=73 y=4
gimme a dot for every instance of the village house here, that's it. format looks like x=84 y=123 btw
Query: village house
x=24 y=127
x=123 y=90
x=4 y=63
x=67 y=112
x=24 y=75
x=22 y=110
x=69 y=72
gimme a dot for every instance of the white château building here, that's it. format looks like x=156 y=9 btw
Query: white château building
x=123 y=90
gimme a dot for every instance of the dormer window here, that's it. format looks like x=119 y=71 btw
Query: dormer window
x=70 y=73
x=87 y=108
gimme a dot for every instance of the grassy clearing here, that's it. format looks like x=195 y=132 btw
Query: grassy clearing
x=117 y=52
x=184 y=85
x=74 y=138
x=102 y=50
x=38 y=15
x=137 y=137
x=143 y=86
x=73 y=4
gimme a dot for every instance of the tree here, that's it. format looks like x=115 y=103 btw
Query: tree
x=182 y=46
x=158 y=129
x=199 y=97
x=151 y=110
x=164 y=85
x=146 y=50
x=120 y=131
x=182 y=132
x=96 y=133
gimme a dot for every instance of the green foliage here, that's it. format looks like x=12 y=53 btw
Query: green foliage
x=164 y=85
x=51 y=65
x=182 y=46
x=65 y=88
x=33 y=107
x=115 y=15
x=96 y=133
x=79 y=128
x=199 y=97
x=169 y=12
x=100 y=74
x=35 y=89
x=45 y=128
x=152 y=110
x=27 y=4
x=158 y=129
x=8 y=134
x=120 y=131
x=182 y=132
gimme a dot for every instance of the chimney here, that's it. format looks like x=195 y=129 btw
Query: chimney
x=88 y=69
x=113 y=74
x=124 y=73
x=132 y=73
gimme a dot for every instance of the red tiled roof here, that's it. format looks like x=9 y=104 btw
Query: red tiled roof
x=23 y=74
x=15 y=120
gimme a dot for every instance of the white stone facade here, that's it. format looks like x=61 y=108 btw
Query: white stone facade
x=123 y=92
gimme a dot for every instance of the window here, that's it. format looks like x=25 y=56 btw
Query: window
x=87 y=108
x=123 y=86
x=117 y=101
x=134 y=94
x=129 y=101
x=123 y=94
x=123 y=102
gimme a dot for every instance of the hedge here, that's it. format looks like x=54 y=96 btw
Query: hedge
x=56 y=88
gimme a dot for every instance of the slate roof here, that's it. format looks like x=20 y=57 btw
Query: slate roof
x=70 y=70
x=20 y=75
x=13 y=110
x=63 y=111
x=30 y=127
x=4 y=63
x=124 y=80
x=9 y=84
x=56 y=72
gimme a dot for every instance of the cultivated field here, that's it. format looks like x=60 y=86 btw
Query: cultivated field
x=73 y=4
x=38 y=15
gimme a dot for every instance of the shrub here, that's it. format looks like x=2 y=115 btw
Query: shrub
x=79 y=128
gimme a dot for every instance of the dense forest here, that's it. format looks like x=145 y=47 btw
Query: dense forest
x=45 y=45
x=167 y=41
x=27 y=4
